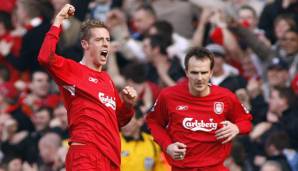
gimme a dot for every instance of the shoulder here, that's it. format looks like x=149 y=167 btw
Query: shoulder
x=174 y=90
x=221 y=91
x=71 y=63
x=147 y=136
x=104 y=75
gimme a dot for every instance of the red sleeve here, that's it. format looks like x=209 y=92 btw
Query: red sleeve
x=240 y=115
x=47 y=53
x=157 y=121
x=63 y=70
x=124 y=113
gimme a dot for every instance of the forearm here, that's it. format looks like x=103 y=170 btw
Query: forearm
x=48 y=48
x=197 y=39
x=166 y=79
x=121 y=35
x=113 y=70
x=244 y=126
x=230 y=41
x=253 y=42
x=125 y=114
x=159 y=133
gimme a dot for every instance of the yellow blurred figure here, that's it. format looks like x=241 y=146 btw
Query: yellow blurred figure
x=138 y=150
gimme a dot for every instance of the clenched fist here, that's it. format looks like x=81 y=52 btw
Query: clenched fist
x=66 y=12
x=129 y=95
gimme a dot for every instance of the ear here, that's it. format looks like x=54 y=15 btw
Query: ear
x=186 y=73
x=84 y=44
x=211 y=73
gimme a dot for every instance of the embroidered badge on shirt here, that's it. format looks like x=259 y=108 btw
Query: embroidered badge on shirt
x=218 y=107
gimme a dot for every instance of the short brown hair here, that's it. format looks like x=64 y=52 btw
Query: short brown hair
x=148 y=9
x=288 y=18
x=250 y=8
x=199 y=53
x=88 y=25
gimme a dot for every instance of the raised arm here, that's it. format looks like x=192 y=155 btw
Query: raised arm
x=48 y=48
x=63 y=70
x=198 y=36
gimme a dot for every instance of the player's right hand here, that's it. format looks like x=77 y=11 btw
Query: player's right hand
x=67 y=11
x=177 y=150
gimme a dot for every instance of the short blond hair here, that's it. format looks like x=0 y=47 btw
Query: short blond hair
x=88 y=25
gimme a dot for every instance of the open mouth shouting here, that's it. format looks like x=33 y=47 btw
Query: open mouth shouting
x=104 y=53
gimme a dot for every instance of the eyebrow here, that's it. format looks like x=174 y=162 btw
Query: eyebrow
x=103 y=38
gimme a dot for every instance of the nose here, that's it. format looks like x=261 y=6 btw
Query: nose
x=106 y=43
x=199 y=77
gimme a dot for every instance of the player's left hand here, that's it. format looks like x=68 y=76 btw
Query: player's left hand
x=129 y=95
x=228 y=131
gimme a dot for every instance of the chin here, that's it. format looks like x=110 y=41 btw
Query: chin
x=102 y=63
x=199 y=90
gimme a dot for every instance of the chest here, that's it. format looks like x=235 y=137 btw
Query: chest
x=198 y=114
x=93 y=87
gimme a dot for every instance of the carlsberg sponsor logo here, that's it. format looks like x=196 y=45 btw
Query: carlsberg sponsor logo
x=195 y=125
x=108 y=101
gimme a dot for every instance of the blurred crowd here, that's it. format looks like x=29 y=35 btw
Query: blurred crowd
x=255 y=43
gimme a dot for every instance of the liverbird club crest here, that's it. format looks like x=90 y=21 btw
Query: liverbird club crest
x=218 y=107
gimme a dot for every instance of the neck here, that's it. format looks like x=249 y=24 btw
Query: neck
x=90 y=64
x=137 y=135
x=134 y=133
x=199 y=93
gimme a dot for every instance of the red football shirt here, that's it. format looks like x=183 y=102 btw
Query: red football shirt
x=178 y=116
x=94 y=108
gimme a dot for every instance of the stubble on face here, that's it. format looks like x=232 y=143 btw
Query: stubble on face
x=199 y=74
